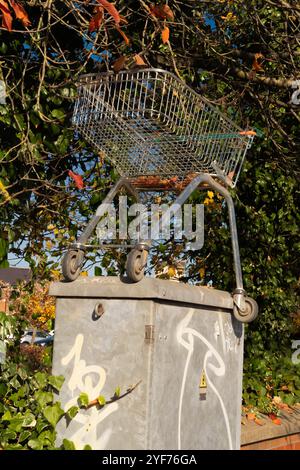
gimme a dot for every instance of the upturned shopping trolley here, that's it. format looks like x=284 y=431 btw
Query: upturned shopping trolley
x=159 y=134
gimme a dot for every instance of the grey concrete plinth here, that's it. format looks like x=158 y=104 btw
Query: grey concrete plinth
x=174 y=350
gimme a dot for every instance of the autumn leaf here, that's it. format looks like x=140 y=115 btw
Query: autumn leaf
x=6 y=15
x=77 y=178
x=251 y=416
x=162 y=11
x=256 y=65
x=168 y=12
x=20 y=13
x=165 y=34
x=139 y=60
x=275 y=419
x=96 y=20
x=111 y=9
x=119 y=64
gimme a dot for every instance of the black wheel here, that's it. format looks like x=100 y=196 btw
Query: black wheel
x=71 y=264
x=250 y=313
x=135 y=265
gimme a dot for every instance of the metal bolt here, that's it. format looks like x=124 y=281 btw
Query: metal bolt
x=99 y=310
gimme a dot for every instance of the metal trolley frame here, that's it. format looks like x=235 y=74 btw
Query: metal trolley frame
x=150 y=124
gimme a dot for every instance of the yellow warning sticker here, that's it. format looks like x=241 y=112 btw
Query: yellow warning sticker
x=203 y=383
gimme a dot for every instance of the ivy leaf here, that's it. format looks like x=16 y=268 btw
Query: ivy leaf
x=83 y=400
x=24 y=435
x=68 y=445
x=53 y=413
x=43 y=398
x=72 y=412
x=41 y=379
x=56 y=381
x=58 y=114
x=35 y=444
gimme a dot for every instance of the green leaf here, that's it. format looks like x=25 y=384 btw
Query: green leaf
x=101 y=400
x=56 y=381
x=87 y=447
x=7 y=416
x=24 y=435
x=97 y=271
x=41 y=379
x=68 y=445
x=43 y=398
x=58 y=114
x=29 y=421
x=83 y=400
x=117 y=392
x=35 y=444
x=72 y=412
x=53 y=413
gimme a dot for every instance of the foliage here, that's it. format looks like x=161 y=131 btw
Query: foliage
x=243 y=56
x=29 y=411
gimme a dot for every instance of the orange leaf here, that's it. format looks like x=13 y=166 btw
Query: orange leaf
x=97 y=19
x=6 y=16
x=77 y=178
x=168 y=12
x=111 y=9
x=165 y=34
x=256 y=65
x=20 y=13
x=127 y=42
x=139 y=60
x=251 y=416
x=162 y=11
x=119 y=64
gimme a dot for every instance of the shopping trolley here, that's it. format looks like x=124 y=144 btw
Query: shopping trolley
x=160 y=135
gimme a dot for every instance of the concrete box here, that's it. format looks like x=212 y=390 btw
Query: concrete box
x=174 y=351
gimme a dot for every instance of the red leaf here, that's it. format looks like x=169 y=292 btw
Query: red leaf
x=168 y=12
x=77 y=178
x=111 y=9
x=162 y=11
x=275 y=419
x=97 y=19
x=20 y=13
x=165 y=34
x=6 y=16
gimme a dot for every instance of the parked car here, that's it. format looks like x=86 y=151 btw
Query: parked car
x=40 y=337
x=45 y=341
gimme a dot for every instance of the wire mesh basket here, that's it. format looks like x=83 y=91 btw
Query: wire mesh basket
x=148 y=122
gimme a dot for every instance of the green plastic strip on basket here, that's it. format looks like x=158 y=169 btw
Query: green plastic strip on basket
x=201 y=137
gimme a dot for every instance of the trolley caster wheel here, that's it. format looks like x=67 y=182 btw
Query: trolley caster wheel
x=71 y=264
x=250 y=313
x=135 y=264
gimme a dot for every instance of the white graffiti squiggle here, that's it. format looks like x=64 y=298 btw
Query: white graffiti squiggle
x=219 y=370
x=81 y=381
